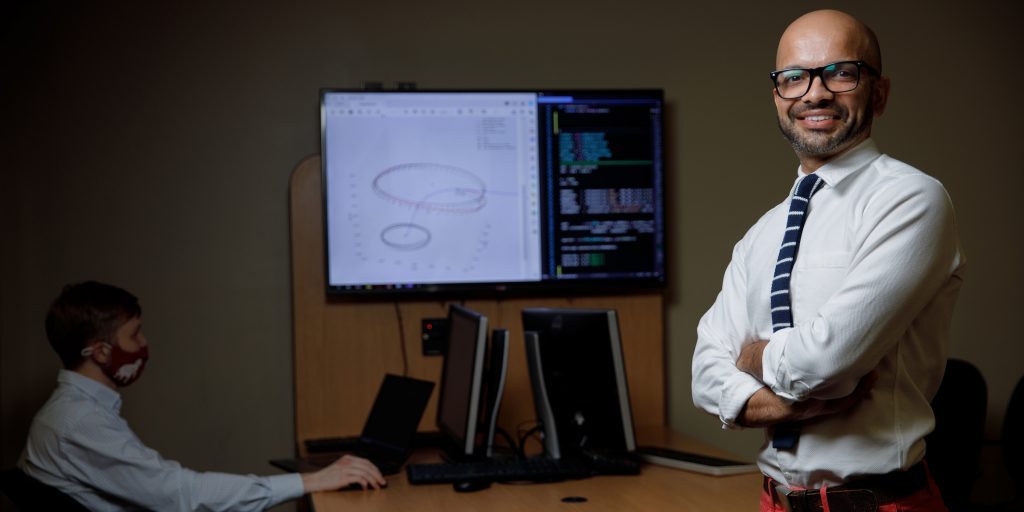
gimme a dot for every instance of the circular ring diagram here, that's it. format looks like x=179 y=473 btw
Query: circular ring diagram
x=405 y=236
x=432 y=187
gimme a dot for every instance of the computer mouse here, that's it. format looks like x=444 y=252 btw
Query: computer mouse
x=471 y=486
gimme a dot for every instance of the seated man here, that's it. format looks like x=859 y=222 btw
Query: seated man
x=79 y=444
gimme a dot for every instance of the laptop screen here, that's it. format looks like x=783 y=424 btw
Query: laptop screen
x=397 y=411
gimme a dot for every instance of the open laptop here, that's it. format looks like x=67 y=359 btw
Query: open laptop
x=388 y=434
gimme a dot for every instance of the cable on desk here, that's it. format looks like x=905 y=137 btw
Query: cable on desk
x=512 y=447
x=524 y=437
x=401 y=340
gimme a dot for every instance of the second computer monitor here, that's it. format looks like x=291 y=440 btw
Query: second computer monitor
x=579 y=380
x=462 y=378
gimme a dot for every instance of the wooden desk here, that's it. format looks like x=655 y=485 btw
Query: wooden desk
x=656 y=488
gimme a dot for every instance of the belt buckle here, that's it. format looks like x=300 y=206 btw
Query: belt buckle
x=854 y=500
x=784 y=493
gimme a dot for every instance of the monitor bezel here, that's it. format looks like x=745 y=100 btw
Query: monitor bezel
x=542 y=287
x=496 y=376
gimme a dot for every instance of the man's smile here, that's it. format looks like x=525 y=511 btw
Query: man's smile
x=818 y=119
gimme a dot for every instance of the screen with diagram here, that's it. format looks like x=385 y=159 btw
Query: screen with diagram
x=488 y=190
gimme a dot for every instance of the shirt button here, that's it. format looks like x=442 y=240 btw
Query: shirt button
x=789 y=476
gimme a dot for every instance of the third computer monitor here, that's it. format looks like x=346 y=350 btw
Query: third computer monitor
x=579 y=380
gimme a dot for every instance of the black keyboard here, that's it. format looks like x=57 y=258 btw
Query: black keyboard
x=537 y=469
x=609 y=463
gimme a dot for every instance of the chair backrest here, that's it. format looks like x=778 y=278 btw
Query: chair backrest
x=29 y=494
x=1013 y=438
x=953 y=449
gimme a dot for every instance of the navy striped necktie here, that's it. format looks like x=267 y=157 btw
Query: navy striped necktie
x=787 y=434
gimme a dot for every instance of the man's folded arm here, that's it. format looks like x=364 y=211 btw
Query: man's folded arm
x=764 y=408
x=718 y=387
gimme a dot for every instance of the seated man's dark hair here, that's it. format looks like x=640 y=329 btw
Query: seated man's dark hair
x=85 y=312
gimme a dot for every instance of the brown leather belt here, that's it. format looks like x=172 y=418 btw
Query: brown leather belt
x=864 y=494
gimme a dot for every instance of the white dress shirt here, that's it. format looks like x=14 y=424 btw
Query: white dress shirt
x=79 y=444
x=873 y=288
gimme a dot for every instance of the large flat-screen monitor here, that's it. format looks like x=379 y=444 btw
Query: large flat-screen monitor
x=492 y=191
x=578 y=376
x=462 y=381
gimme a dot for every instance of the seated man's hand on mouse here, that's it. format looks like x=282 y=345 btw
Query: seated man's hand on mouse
x=344 y=472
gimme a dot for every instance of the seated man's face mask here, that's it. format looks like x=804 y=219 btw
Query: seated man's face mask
x=123 y=367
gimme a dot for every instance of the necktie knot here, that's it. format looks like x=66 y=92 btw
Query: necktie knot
x=808 y=186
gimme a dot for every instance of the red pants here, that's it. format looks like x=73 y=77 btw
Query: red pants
x=925 y=500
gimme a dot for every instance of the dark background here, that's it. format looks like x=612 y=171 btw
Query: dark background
x=149 y=144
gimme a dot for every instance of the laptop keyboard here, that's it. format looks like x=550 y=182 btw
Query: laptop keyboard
x=322 y=460
x=386 y=467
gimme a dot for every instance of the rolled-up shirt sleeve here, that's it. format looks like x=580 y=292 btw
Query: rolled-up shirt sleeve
x=904 y=249
x=718 y=387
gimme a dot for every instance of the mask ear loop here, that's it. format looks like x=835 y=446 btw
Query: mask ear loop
x=88 y=351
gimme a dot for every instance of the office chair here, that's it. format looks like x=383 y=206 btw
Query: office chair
x=1013 y=442
x=29 y=494
x=953 y=449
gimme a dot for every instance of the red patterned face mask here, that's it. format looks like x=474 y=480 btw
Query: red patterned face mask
x=123 y=367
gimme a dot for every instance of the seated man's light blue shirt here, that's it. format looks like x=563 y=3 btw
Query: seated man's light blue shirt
x=80 y=444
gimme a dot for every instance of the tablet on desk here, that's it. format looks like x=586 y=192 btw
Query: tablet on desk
x=693 y=462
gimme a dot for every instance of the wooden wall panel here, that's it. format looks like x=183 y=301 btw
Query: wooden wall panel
x=342 y=349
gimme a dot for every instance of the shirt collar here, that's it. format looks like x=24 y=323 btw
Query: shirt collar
x=103 y=395
x=846 y=164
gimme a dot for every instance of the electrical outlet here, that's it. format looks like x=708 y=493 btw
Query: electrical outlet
x=434 y=333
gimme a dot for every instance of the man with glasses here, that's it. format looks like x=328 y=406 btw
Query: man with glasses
x=832 y=327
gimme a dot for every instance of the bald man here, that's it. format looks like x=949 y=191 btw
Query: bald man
x=832 y=327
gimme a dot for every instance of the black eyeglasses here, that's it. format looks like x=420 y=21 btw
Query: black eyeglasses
x=837 y=77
